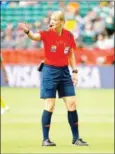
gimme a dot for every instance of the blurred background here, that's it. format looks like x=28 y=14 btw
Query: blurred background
x=92 y=23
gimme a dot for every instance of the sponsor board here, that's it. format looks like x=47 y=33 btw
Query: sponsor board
x=88 y=77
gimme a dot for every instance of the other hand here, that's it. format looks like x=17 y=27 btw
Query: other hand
x=75 y=78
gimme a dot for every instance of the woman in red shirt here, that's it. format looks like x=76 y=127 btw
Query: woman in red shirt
x=59 y=46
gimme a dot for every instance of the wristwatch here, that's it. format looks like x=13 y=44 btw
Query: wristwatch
x=27 y=31
x=74 y=71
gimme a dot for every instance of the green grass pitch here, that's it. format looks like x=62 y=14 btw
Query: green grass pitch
x=21 y=124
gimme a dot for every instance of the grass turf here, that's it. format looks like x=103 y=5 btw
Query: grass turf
x=21 y=125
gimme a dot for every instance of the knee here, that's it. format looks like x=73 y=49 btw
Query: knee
x=49 y=105
x=71 y=106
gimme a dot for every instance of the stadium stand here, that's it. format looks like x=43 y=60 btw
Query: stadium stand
x=92 y=23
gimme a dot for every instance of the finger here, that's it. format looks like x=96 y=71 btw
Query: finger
x=75 y=82
x=26 y=25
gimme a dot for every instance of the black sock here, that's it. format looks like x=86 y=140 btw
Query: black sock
x=46 y=120
x=73 y=121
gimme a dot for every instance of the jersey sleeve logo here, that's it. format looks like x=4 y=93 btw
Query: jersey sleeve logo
x=53 y=48
x=66 y=50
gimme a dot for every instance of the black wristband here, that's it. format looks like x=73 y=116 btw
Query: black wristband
x=75 y=71
x=27 y=31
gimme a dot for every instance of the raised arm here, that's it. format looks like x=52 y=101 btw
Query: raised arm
x=31 y=35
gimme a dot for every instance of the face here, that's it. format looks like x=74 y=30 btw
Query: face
x=55 y=22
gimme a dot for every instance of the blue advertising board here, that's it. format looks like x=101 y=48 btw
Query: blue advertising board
x=88 y=77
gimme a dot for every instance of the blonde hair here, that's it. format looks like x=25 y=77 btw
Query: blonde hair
x=60 y=14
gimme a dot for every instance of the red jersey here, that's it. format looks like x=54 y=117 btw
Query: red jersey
x=57 y=47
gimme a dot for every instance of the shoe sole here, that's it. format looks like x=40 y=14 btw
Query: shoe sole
x=48 y=145
x=80 y=145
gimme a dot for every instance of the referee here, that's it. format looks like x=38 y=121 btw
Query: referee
x=59 y=46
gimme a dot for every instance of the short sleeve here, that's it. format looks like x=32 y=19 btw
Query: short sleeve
x=43 y=35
